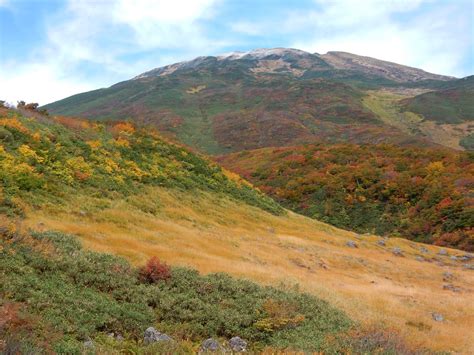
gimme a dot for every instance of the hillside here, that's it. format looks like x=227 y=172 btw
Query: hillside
x=417 y=193
x=268 y=97
x=76 y=177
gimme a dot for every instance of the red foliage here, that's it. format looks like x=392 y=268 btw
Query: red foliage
x=154 y=270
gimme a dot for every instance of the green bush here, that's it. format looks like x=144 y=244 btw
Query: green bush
x=72 y=295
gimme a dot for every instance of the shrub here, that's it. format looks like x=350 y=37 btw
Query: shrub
x=154 y=271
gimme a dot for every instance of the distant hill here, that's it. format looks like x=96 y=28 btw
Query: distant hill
x=270 y=97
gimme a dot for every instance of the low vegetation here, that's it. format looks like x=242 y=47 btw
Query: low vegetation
x=57 y=296
x=420 y=194
x=43 y=160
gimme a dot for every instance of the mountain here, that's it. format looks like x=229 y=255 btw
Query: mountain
x=75 y=191
x=388 y=70
x=273 y=97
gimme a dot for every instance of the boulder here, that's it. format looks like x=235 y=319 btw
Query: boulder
x=451 y=287
x=89 y=344
x=209 y=345
x=448 y=276
x=424 y=250
x=237 y=344
x=437 y=317
x=443 y=252
x=351 y=244
x=397 y=251
x=381 y=242
x=153 y=336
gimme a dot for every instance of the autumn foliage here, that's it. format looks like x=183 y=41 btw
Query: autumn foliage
x=423 y=194
x=154 y=271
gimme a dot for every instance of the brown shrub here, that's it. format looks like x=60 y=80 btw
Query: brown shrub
x=154 y=270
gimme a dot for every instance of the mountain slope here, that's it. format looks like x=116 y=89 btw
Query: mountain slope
x=266 y=97
x=418 y=193
x=453 y=104
x=185 y=214
x=388 y=70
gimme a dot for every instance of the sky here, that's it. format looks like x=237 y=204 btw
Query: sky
x=51 y=49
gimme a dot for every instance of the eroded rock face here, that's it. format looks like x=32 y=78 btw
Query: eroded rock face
x=153 y=336
x=237 y=344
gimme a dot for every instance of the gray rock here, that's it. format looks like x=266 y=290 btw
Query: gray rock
x=420 y=258
x=448 y=276
x=397 y=251
x=381 y=242
x=89 y=344
x=351 y=244
x=437 y=317
x=469 y=266
x=465 y=257
x=424 y=250
x=119 y=337
x=443 y=252
x=237 y=344
x=453 y=258
x=451 y=287
x=153 y=336
x=209 y=345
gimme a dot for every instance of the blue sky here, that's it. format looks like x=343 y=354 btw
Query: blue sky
x=50 y=49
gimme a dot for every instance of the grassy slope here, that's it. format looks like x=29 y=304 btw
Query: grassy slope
x=392 y=109
x=212 y=231
x=213 y=234
x=452 y=105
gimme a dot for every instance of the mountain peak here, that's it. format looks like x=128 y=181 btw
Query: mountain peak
x=388 y=70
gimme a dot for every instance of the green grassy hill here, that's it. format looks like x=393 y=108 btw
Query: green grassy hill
x=453 y=104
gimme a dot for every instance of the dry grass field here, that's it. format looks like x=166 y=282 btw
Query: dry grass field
x=369 y=282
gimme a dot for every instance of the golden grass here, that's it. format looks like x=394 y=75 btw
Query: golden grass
x=213 y=234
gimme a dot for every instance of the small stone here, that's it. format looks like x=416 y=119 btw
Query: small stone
x=237 y=344
x=453 y=258
x=443 y=252
x=448 y=276
x=437 y=317
x=397 y=251
x=381 y=242
x=469 y=266
x=451 y=287
x=420 y=258
x=424 y=250
x=89 y=344
x=153 y=336
x=351 y=244
x=210 y=345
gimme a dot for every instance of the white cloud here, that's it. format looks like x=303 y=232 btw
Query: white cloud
x=100 y=33
x=431 y=41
